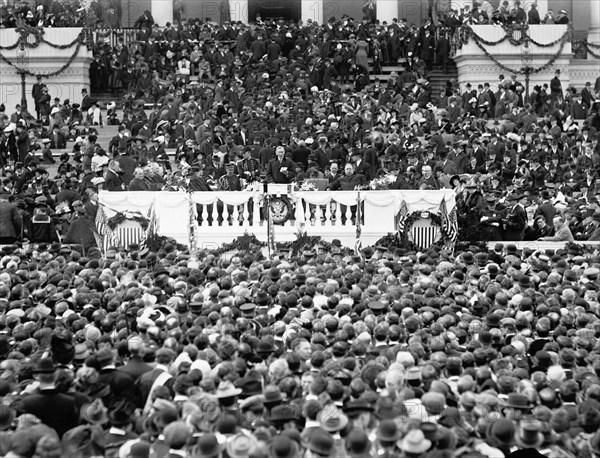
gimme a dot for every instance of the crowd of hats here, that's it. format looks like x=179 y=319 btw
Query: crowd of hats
x=422 y=354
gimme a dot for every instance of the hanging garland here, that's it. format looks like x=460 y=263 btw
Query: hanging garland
x=590 y=52
x=522 y=71
x=120 y=217
x=44 y=75
x=84 y=37
x=466 y=32
x=38 y=38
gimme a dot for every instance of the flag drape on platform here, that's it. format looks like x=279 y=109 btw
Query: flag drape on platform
x=401 y=216
x=449 y=221
x=358 y=242
x=270 y=229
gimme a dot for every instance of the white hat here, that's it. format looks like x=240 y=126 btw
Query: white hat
x=309 y=141
x=11 y=127
x=414 y=106
x=98 y=180
x=314 y=89
x=54 y=111
x=159 y=139
x=473 y=100
x=78 y=139
x=111 y=105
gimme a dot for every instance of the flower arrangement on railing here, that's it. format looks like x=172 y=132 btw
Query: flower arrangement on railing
x=383 y=182
x=114 y=221
x=307 y=187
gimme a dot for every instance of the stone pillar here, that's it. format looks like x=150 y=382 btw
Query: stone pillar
x=387 y=10
x=239 y=10
x=312 y=9
x=594 y=30
x=162 y=11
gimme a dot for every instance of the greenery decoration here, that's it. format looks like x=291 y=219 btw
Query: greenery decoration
x=302 y=241
x=155 y=242
x=246 y=242
x=525 y=70
x=120 y=217
x=84 y=37
x=466 y=32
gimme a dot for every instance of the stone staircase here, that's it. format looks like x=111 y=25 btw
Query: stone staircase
x=436 y=76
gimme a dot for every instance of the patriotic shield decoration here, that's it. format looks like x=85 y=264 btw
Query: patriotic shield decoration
x=424 y=233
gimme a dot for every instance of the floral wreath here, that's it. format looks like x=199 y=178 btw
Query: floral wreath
x=411 y=218
x=120 y=217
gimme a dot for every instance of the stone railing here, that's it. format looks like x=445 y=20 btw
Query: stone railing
x=220 y=216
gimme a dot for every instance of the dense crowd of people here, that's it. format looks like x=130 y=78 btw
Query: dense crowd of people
x=321 y=352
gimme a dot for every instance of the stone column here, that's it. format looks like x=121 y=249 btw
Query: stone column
x=387 y=10
x=239 y=10
x=162 y=11
x=312 y=9
x=594 y=30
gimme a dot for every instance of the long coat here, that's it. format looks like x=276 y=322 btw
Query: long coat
x=427 y=48
x=515 y=224
x=11 y=223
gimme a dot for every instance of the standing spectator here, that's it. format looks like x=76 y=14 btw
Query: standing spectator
x=55 y=409
x=562 y=17
x=81 y=229
x=11 y=223
x=41 y=226
x=427 y=48
x=587 y=97
x=36 y=94
x=534 y=15
x=112 y=177
x=516 y=220
x=86 y=101
x=442 y=49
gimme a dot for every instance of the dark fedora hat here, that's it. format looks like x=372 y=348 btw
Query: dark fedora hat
x=517 y=401
x=358 y=443
x=501 y=432
x=388 y=431
x=358 y=405
x=284 y=413
x=283 y=447
x=250 y=387
x=208 y=446
x=265 y=347
x=45 y=366
x=272 y=395
x=320 y=442
x=262 y=298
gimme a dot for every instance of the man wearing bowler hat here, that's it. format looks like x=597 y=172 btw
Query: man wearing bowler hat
x=55 y=409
